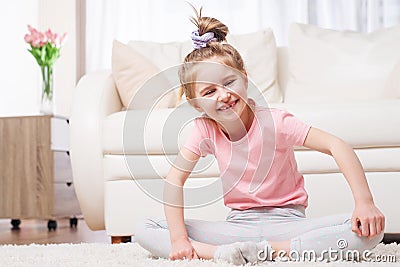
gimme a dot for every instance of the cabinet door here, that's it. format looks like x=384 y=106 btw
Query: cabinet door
x=59 y=134
x=26 y=167
x=62 y=167
x=65 y=202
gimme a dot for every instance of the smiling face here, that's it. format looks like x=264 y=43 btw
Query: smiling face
x=220 y=91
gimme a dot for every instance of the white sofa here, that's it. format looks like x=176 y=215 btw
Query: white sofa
x=109 y=155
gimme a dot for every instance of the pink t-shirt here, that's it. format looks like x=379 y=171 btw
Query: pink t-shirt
x=260 y=169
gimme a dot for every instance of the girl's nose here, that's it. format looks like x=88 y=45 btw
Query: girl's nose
x=224 y=97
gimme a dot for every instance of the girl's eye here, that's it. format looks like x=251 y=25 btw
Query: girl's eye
x=209 y=92
x=228 y=83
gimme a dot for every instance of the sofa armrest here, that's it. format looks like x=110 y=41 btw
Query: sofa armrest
x=95 y=98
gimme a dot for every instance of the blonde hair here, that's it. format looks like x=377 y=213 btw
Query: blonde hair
x=225 y=53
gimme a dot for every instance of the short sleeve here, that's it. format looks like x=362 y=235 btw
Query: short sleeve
x=293 y=130
x=199 y=140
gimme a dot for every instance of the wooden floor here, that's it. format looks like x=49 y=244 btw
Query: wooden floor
x=35 y=231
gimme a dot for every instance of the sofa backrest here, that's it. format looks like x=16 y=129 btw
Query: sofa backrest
x=283 y=68
x=320 y=65
x=335 y=66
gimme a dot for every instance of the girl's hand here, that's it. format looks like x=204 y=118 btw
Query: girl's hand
x=371 y=219
x=182 y=249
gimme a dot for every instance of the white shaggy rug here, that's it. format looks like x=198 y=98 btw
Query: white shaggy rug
x=131 y=254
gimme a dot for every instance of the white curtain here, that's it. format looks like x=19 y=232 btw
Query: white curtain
x=167 y=21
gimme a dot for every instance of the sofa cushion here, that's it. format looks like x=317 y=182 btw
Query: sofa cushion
x=133 y=72
x=332 y=66
x=363 y=124
x=392 y=84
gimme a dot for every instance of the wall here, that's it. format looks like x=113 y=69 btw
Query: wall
x=20 y=75
x=19 y=78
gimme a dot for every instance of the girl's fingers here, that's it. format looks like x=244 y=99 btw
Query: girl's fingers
x=184 y=254
x=355 y=228
x=372 y=229
x=364 y=228
x=379 y=226
x=187 y=254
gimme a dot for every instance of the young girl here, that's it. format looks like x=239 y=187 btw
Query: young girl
x=253 y=146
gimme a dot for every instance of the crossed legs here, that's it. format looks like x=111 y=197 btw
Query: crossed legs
x=283 y=229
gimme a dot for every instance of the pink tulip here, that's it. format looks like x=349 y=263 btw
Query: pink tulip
x=63 y=38
x=54 y=39
x=32 y=30
x=42 y=39
x=49 y=35
x=34 y=37
x=36 y=42
x=49 y=40
x=38 y=39
x=28 y=38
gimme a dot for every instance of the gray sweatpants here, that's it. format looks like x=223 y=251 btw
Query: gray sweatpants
x=258 y=224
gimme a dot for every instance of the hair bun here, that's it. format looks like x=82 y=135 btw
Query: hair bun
x=208 y=24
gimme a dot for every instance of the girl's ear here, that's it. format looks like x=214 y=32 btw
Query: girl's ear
x=246 y=78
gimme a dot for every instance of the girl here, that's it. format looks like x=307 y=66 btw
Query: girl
x=253 y=146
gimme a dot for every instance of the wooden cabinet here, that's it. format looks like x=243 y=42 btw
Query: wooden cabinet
x=26 y=167
x=35 y=170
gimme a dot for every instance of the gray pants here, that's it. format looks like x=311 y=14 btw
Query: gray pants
x=257 y=224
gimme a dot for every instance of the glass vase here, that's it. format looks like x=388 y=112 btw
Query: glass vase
x=46 y=104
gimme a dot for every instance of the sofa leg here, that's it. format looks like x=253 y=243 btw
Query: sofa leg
x=390 y=238
x=120 y=239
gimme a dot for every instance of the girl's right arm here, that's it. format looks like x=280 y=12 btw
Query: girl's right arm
x=173 y=204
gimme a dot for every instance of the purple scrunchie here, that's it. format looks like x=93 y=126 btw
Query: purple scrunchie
x=201 y=41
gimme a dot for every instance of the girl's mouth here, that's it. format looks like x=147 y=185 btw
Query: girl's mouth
x=229 y=105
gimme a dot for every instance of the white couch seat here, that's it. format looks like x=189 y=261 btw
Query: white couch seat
x=362 y=124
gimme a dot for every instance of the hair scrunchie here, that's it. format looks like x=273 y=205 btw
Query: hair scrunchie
x=200 y=41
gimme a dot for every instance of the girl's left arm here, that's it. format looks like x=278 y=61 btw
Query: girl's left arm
x=371 y=219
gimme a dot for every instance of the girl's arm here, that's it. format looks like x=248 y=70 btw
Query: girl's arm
x=371 y=219
x=173 y=204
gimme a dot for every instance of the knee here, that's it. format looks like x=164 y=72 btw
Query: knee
x=370 y=243
x=353 y=241
x=140 y=229
x=142 y=226
x=365 y=243
x=373 y=242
